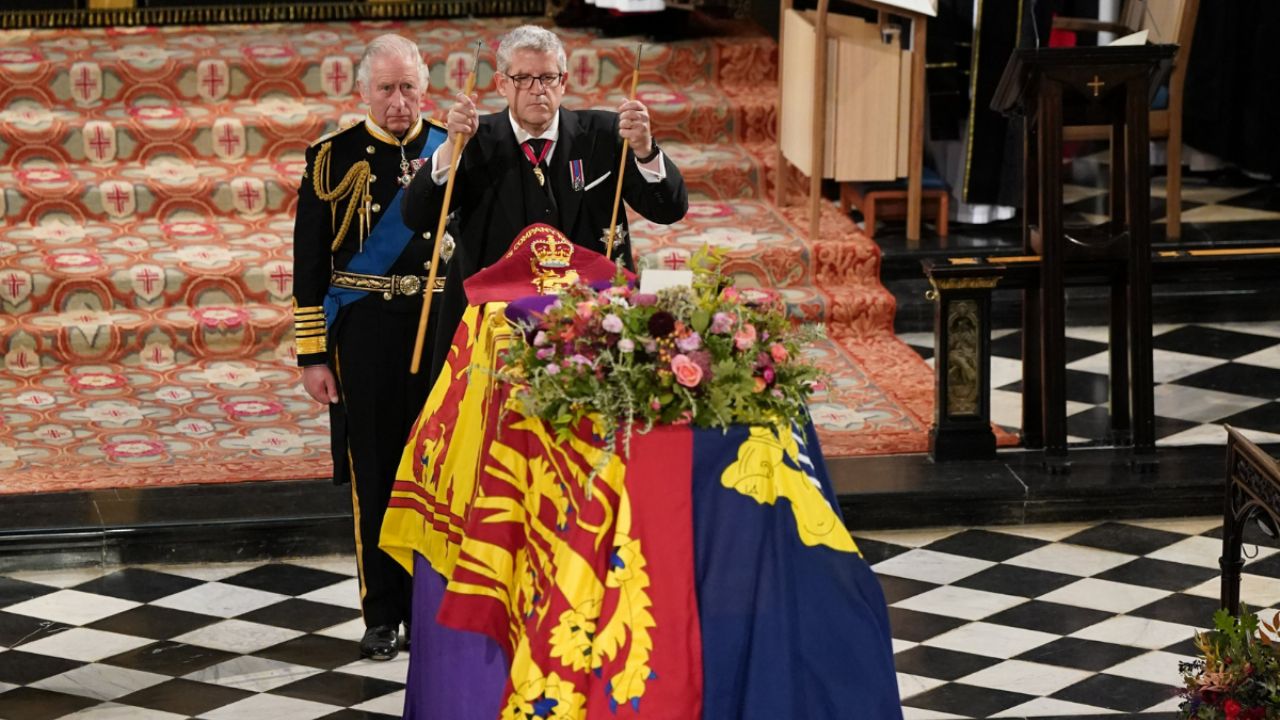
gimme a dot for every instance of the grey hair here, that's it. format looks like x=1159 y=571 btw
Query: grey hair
x=530 y=37
x=391 y=45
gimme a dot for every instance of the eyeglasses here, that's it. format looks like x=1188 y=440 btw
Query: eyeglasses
x=524 y=82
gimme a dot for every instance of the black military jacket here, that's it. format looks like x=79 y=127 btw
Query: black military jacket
x=352 y=176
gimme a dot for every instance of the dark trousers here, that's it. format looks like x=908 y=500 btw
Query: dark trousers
x=380 y=400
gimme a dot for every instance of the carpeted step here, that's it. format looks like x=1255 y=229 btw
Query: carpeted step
x=761 y=248
x=69 y=68
x=160 y=188
x=722 y=171
x=278 y=123
x=87 y=329
x=128 y=424
x=65 y=263
x=866 y=409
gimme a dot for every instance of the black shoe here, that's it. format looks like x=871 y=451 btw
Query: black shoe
x=380 y=643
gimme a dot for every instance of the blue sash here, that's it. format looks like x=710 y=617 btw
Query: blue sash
x=385 y=242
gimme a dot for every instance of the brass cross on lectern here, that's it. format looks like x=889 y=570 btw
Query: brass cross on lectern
x=1097 y=85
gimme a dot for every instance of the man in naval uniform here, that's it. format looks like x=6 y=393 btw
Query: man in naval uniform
x=359 y=279
x=537 y=162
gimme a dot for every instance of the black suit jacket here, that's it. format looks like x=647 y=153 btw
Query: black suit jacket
x=488 y=199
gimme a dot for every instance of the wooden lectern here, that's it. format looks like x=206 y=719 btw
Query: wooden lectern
x=1052 y=88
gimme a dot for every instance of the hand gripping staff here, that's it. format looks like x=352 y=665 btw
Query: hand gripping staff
x=622 y=163
x=444 y=218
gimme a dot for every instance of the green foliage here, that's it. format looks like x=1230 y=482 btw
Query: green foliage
x=709 y=355
x=1237 y=676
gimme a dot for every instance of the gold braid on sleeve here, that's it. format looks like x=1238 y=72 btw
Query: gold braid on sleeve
x=353 y=188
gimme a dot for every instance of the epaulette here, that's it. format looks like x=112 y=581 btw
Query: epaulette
x=437 y=123
x=331 y=135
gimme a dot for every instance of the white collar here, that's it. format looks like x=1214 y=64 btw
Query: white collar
x=552 y=132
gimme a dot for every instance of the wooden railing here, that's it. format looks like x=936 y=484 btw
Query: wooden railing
x=1252 y=495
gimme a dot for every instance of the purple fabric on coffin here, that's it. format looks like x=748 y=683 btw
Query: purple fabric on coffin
x=526 y=309
x=452 y=674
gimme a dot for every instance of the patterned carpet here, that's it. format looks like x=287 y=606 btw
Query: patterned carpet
x=149 y=180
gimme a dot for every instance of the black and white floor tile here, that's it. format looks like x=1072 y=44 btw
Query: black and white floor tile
x=1216 y=206
x=1075 y=620
x=1044 y=621
x=276 y=641
x=1206 y=376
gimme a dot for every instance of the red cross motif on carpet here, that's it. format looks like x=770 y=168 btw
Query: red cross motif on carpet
x=99 y=141
x=86 y=82
x=23 y=360
x=213 y=79
x=249 y=196
x=118 y=199
x=584 y=69
x=279 y=279
x=459 y=67
x=148 y=281
x=336 y=76
x=228 y=139
x=15 y=286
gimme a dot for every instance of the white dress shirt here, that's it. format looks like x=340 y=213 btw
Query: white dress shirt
x=653 y=171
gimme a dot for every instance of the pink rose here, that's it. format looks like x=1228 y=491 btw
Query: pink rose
x=768 y=375
x=687 y=372
x=745 y=338
x=778 y=352
x=586 y=309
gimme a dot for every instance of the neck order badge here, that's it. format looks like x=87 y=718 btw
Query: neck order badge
x=541 y=147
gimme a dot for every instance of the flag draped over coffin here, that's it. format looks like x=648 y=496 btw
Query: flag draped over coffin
x=706 y=574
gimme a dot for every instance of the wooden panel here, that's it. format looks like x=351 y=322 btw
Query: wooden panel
x=904 y=115
x=796 y=136
x=863 y=101
x=866 y=89
x=1163 y=18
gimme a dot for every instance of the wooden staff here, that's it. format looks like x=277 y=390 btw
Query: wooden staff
x=430 y=290
x=622 y=163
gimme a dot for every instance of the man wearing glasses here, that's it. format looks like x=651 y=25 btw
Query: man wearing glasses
x=537 y=162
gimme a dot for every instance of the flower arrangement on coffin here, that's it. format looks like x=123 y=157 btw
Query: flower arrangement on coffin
x=709 y=355
x=1238 y=676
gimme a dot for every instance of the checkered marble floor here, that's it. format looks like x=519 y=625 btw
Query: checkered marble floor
x=1221 y=198
x=1206 y=376
x=1055 y=620
x=1021 y=621
x=273 y=641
